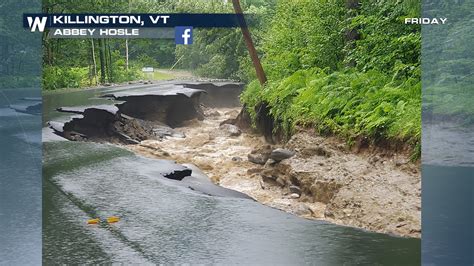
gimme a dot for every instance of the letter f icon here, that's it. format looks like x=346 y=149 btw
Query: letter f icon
x=184 y=35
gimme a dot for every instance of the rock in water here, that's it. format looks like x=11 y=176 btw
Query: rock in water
x=261 y=155
x=270 y=163
x=267 y=176
x=236 y=159
x=294 y=196
x=162 y=131
x=231 y=130
x=302 y=209
x=295 y=189
x=281 y=154
x=257 y=158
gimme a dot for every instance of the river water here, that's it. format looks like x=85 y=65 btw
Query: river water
x=163 y=222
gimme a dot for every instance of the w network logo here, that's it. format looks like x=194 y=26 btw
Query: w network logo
x=37 y=23
x=183 y=35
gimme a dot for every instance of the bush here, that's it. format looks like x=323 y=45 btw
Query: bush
x=221 y=53
x=304 y=34
x=350 y=104
x=367 y=86
x=78 y=77
x=57 y=77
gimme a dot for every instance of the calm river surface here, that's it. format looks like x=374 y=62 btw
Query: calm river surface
x=163 y=222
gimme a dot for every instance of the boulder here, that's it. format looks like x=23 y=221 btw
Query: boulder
x=270 y=163
x=162 y=131
x=261 y=155
x=252 y=171
x=268 y=176
x=281 y=154
x=236 y=159
x=302 y=210
x=295 y=189
x=294 y=196
x=257 y=158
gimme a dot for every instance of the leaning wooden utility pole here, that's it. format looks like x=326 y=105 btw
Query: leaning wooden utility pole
x=126 y=41
x=248 y=41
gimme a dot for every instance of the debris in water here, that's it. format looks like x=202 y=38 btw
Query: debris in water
x=113 y=219
x=93 y=221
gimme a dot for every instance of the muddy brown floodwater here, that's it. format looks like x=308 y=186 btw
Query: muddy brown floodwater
x=379 y=191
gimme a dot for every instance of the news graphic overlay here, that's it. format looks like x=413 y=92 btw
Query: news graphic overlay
x=183 y=35
x=20 y=137
x=448 y=134
x=158 y=26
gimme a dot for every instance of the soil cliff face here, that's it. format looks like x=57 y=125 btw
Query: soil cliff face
x=323 y=179
x=308 y=175
x=376 y=191
x=171 y=110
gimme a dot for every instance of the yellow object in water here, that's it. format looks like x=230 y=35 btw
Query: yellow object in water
x=93 y=221
x=113 y=219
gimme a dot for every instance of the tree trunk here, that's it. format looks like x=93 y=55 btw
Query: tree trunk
x=102 y=60
x=107 y=76
x=93 y=61
x=111 y=71
x=126 y=53
x=250 y=46
x=352 y=34
x=126 y=40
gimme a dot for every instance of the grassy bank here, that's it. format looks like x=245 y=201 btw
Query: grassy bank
x=350 y=72
x=81 y=77
x=158 y=74
x=350 y=104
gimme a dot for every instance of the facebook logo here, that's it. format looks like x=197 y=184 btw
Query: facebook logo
x=183 y=35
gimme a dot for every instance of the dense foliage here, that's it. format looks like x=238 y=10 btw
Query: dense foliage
x=75 y=63
x=354 y=72
x=221 y=53
x=216 y=53
x=345 y=67
x=348 y=103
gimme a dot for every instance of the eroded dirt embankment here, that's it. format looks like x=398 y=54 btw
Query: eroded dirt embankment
x=311 y=176
x=323 y=180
